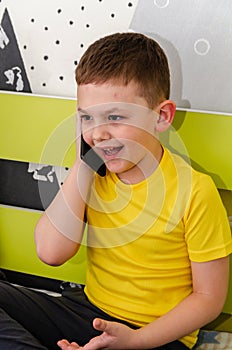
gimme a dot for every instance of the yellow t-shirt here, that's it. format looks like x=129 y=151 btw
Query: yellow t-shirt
x=142 y=237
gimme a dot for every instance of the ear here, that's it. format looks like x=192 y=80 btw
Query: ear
x=166 y=111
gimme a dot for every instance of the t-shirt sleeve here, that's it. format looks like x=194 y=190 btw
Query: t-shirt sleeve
x=207 y=229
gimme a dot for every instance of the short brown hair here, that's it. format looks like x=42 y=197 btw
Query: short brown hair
x=125 y=57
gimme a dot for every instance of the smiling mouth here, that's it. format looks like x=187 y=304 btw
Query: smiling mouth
x=111 y=151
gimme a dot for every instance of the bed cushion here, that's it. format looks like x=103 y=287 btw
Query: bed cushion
x=214 y=340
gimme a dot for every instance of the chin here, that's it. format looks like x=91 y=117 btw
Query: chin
x=119 y=166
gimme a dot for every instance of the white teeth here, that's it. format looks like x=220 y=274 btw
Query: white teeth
x=108 y=150
x=111 y=150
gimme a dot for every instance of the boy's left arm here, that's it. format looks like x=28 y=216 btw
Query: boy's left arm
x=204 y=304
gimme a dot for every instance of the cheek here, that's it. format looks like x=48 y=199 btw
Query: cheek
x=135 y=148
x=87 y=137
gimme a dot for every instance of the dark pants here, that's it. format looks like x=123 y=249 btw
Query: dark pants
x=31 y=320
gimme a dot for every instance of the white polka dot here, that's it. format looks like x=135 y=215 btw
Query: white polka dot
x=201 y=47
x=161 y=3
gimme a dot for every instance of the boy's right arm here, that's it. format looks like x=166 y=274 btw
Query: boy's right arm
x=59 y=231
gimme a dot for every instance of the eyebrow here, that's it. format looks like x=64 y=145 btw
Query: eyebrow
x=79 y=109
x=112 y=110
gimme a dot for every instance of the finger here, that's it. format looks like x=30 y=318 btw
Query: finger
x=100 y=324
x=63 y=344
x=76 y=345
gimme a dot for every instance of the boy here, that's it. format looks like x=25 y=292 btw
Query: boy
x=158 y=237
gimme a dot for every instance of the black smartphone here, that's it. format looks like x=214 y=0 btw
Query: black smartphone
x=92 y=158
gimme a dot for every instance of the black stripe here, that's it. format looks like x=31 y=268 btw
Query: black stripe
x=19 y=188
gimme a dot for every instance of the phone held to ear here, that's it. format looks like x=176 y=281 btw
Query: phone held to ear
x=91 y=158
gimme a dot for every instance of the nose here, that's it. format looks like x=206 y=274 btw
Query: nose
x=100 y=133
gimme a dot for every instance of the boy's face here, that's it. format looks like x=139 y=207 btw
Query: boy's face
x=118 y=124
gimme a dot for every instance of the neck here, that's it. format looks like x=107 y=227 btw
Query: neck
x=143 y=169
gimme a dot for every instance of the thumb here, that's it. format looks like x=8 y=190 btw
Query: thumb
x=101 y=325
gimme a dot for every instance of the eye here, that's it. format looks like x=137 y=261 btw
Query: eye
x=115 y=118
x=86 y=117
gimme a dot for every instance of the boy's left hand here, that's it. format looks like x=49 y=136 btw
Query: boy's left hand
x=115 y=336
x=65 y=345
